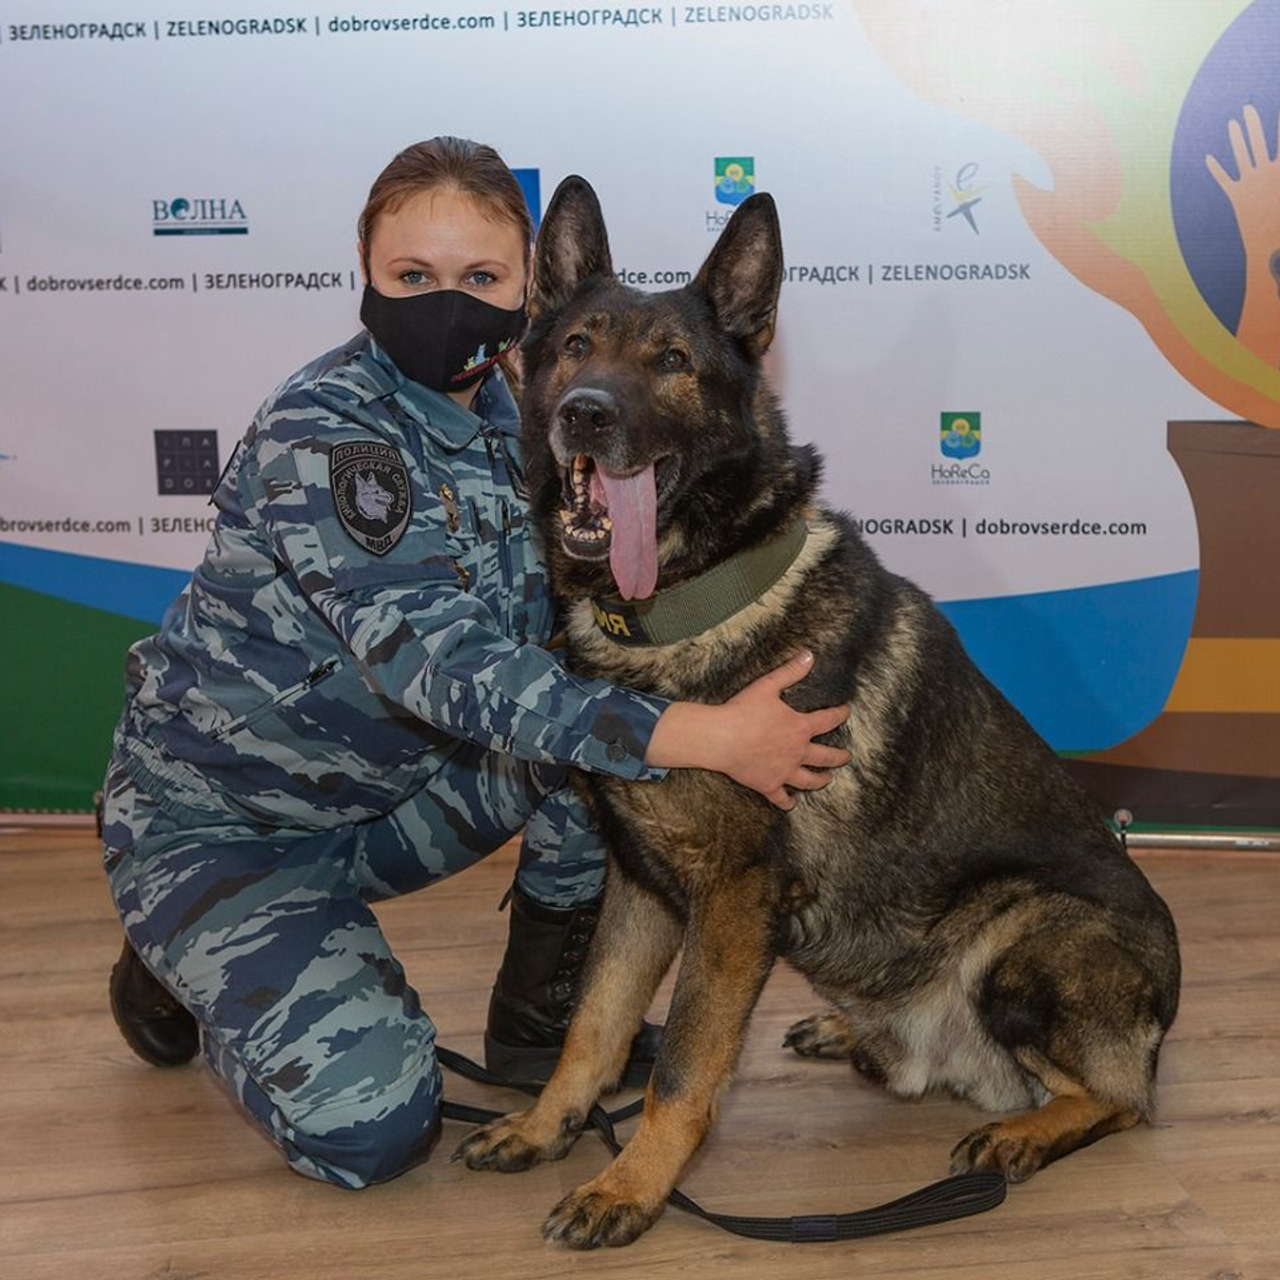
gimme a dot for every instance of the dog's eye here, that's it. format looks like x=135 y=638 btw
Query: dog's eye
x=673 y=360
x=576 y=345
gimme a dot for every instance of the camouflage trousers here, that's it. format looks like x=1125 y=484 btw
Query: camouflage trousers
x=267 y=937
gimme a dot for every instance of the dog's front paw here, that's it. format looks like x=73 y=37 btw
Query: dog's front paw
x=824 y=1035
x=593 y=1216
x=994 y=1146
x=512 y=1144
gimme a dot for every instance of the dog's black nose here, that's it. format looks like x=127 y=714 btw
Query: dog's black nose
x=589 y=407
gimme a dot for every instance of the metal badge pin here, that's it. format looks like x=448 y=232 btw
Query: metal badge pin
x=450 y=500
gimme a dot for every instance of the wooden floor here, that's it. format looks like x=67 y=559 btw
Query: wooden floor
x=109 y=1168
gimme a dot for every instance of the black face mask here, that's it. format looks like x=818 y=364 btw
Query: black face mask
x=446 y=339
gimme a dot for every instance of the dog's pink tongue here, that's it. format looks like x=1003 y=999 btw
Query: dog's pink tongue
x=633 y=550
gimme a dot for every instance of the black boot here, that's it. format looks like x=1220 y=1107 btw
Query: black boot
x=155 y=1026
x=537 y=988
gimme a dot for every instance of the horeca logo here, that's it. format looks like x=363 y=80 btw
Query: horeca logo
x=530 y=181
x=961 y=435
x=735 y=178
x=199 y=216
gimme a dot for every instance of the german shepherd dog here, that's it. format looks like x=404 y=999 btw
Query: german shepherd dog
x=952 y=893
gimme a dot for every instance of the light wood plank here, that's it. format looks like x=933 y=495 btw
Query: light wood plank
x=112 y=1169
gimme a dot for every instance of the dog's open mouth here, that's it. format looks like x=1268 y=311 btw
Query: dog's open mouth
x=616 y=516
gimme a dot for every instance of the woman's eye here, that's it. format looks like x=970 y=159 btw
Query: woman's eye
x=673 y=360
x=414 y=277
x=576 y=345
x=482 y=278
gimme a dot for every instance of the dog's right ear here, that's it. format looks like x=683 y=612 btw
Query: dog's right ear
x=572 y=246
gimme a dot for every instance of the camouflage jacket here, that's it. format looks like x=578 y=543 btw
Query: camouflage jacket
x=371 y=595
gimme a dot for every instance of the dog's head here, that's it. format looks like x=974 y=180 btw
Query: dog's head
x=643 y=409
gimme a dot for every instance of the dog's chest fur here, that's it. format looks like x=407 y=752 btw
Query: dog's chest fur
x=696 y=829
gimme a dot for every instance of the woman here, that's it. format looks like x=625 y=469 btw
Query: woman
x=350 y=701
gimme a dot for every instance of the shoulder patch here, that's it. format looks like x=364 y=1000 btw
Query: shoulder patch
x=370 y=486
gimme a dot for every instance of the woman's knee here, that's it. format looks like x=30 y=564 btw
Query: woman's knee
x=372 y=1138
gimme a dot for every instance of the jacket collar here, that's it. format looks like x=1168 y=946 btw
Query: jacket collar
x=442 y=419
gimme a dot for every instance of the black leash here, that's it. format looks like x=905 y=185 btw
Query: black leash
x=955 y=1197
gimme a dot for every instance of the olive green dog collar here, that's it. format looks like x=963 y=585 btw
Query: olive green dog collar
x=711 y=598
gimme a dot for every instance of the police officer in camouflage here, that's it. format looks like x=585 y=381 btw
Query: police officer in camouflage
x=351 y=701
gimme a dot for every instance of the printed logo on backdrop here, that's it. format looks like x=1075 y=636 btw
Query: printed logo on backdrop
x=199 y=216
x=961 y=435
x=735 y=180
x=186 y=463
x=530 y=181
x=958 y=198
x=960 y=441
x=371 y=494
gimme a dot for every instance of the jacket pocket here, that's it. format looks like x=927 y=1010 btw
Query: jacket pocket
x=285 y=698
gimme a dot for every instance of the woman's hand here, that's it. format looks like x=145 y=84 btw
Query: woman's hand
x=755 y=738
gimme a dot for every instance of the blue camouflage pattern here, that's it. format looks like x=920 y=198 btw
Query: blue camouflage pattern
x=315 y=683
x=329 y=717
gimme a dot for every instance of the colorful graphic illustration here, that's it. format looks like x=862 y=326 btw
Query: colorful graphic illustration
x=1225 y=180
x=961 y=435
x=1164 y=197
x=735 y=178
x=1163 y=194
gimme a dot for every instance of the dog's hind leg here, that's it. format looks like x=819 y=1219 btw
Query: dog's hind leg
x=1084 y=1016
x=1020 y=1145
x=728 y=954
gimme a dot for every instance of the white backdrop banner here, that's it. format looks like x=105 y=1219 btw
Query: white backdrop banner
x=998 y=293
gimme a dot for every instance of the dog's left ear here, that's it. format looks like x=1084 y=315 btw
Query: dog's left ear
x=572 y=246
x=743 y=274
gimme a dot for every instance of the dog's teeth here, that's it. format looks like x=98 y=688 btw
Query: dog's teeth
x=565 y=517
x=605 y=522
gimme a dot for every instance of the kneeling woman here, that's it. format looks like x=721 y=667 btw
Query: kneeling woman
x=350 y=702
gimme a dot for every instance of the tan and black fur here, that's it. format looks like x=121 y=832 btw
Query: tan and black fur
x=952 y=893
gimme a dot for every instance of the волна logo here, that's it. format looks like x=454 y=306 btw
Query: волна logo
x=961 y=435
x=199 y=216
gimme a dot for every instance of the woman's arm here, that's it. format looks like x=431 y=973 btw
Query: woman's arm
x=438 y=651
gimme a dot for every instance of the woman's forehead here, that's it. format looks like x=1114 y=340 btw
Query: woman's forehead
x=446 y=224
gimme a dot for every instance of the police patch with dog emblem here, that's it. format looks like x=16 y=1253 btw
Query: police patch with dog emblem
x=370 y=486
